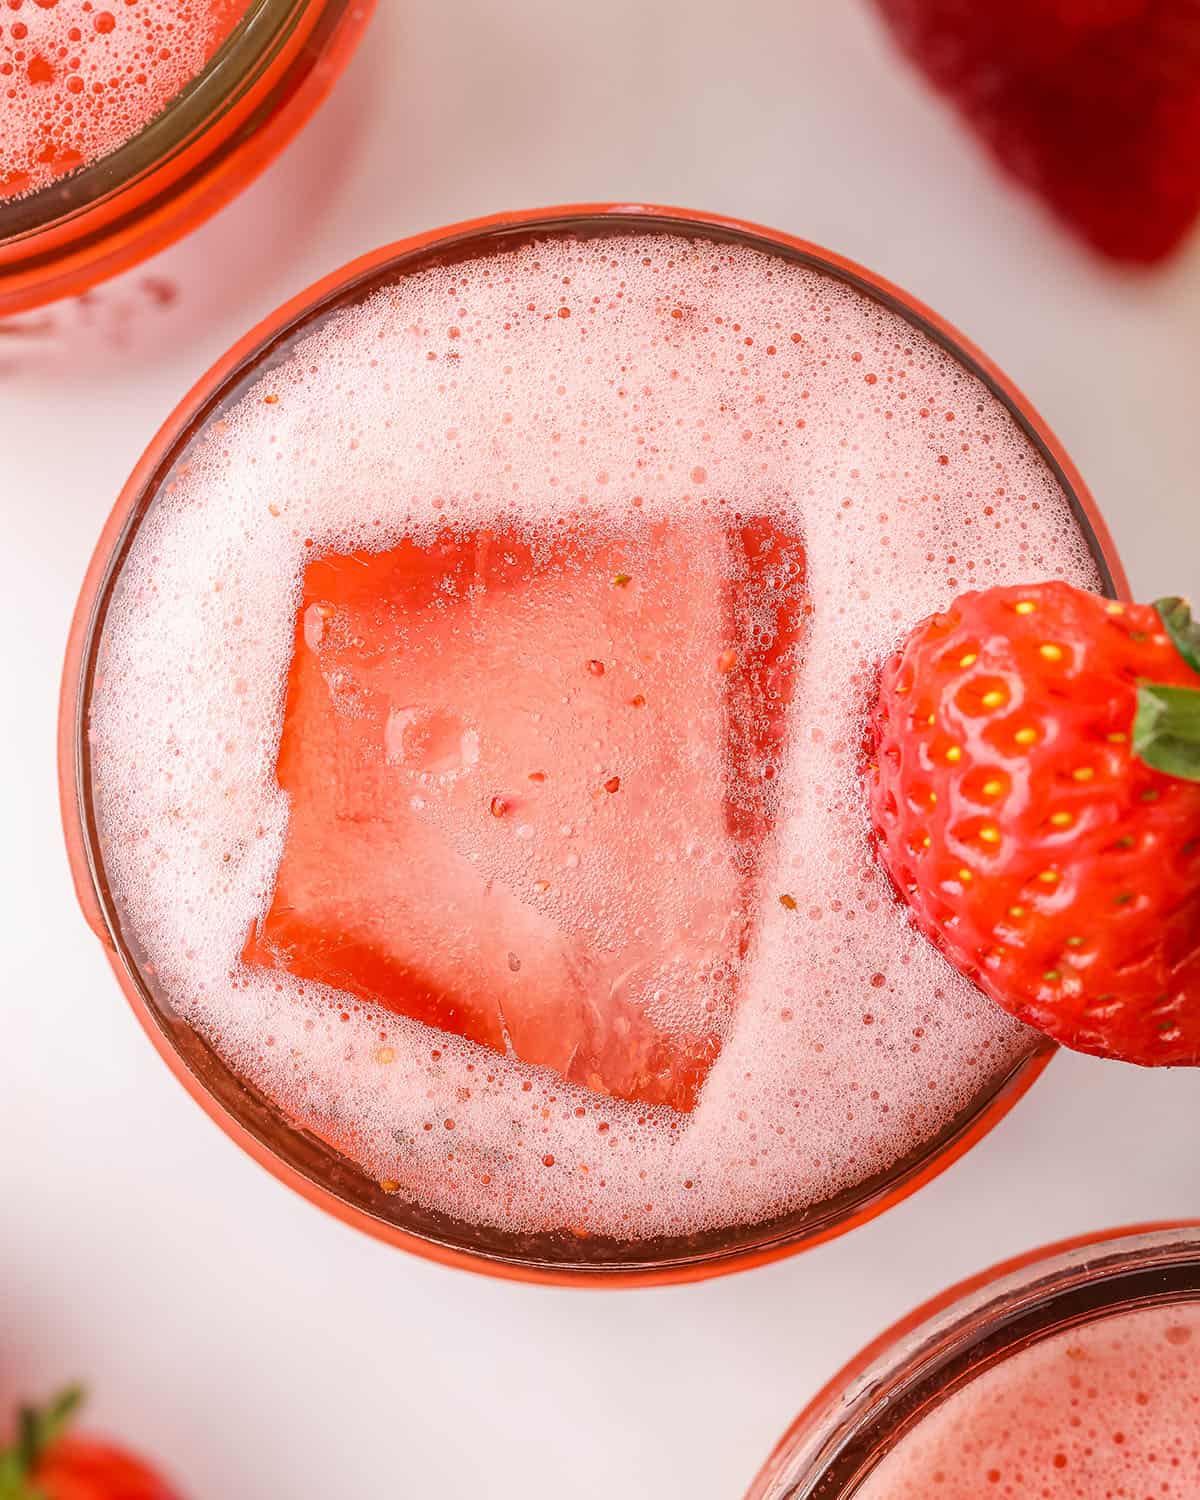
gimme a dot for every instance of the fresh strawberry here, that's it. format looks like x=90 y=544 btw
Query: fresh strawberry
x=1094 y=103
x=1035 y=790
x=47 y=1463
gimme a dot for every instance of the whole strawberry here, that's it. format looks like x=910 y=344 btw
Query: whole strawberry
x=1035 y=791
x=46 y=1462
x=1094 y=103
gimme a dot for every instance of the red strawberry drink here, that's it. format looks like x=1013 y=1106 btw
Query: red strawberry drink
x=475 y=742
x=78 y=78
x=1108 y=1408
x=125 y=123
x=1070 y=1375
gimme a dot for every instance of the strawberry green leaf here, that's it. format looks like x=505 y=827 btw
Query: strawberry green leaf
x=15 y=1482
x=38 y=1429
x=1176 y=615
x=12 y=1476
x=1166 y=729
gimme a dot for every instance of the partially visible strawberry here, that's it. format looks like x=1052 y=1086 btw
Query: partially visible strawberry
x=46 y=1463
x=1094 y=103
x=1035 y=790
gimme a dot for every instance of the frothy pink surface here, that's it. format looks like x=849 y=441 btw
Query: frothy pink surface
x=1109 y=1411
x=599 y=393
x=78 y=78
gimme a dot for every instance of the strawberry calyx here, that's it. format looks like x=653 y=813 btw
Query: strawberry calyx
x=1166 y=725
x=38 y=1429
x=1176 y=615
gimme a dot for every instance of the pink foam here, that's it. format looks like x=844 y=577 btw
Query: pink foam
x=1109 y=1411
x=78 y=78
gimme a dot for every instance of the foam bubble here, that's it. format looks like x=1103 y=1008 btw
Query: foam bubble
x=595 y=387
x=1112 y=1408
x=78 y=78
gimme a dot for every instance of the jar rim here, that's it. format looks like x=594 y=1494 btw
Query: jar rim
x=256 y=35
x=905 y=1374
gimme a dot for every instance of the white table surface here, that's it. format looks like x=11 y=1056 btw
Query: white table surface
x=264 y=1351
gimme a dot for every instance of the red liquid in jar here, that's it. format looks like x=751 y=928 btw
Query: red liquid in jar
x=78 y=78
x=1108 y=1409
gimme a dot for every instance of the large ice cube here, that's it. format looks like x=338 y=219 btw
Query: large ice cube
x=530 y=783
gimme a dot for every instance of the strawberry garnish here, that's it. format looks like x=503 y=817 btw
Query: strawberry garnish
x=1035 y=789
x=1094 y=103
x=47 y=1462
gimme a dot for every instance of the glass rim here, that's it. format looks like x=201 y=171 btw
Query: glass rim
x=896 y=1381
x=208 y=143
x=250 y=45
x=246 y=1117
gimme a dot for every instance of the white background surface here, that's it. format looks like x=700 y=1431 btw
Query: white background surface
x=261 y=1349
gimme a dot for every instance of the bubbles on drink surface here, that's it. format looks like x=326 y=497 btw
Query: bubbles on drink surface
x=78 y=78
x=512 y=668
x=1112 y=1408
